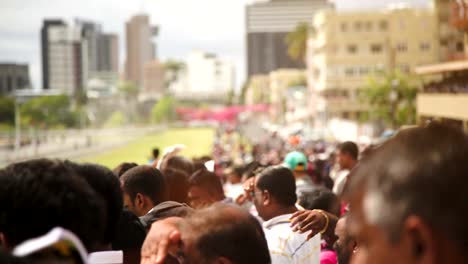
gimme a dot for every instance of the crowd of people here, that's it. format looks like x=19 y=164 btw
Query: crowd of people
x=454 y=84
x=403 y=201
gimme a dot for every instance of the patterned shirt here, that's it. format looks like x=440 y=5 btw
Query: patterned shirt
x=287 y=246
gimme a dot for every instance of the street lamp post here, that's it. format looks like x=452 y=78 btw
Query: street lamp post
x=393 y=100
x=17 y=126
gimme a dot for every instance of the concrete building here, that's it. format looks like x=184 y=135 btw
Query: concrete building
x=91 y=33
x=48 y=23
x=102 y=56
x=349 y=46
x=267 y=24
x=13 y=77
x=140 y=47
x=445 y=98
x=108 y=53
x=452 y=46
x=154 y=78
x=205 y=77
x=67 y=59
x=281 y=81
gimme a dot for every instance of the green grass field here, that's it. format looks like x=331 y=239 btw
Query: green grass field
x=197 y=140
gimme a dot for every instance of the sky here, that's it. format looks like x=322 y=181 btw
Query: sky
x=216 y=26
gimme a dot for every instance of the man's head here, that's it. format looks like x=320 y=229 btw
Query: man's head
x=408 y=198
x=38 y=195
x=177 y=185
x=297 y=162
x=322 y=199
x=234 y=174
x=345 y=245
x=144 y=188
x=179 y=163
x=155 y=153
x=123 y=167
x=223 y=234
x=347 y=155
x=205 y=189
x=274 y=191
x=106 y=184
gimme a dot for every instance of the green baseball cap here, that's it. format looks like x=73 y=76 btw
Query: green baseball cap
x=296 y=161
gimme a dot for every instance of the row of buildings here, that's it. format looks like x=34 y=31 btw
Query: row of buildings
x=344 y=48
x=80 y=58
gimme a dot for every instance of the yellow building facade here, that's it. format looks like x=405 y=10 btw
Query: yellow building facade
x=346 y=47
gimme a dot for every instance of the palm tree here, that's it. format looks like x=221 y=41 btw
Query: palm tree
x=297 y=42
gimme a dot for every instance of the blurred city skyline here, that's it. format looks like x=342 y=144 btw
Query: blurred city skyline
x=216 y=26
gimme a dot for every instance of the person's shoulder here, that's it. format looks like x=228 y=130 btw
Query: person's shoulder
x=165 y=210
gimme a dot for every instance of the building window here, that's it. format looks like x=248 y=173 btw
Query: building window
x=349 y=72
x=383 y=25
x=460 y=47
x=402 y=47
x=364 y=70
x=376 y=48
x=425 y=46
x=344 y=27
x=404 y=68
x=443 y=42
x=352 y=49
x=358 y=26
x=368 y=26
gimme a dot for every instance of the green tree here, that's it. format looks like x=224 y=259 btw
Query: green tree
x=7 y=111
x=128 y=90
x=49 y=111
x=297 y=42
x=164 y=110
x=173 y=68
x=391 y=97
x=230 y=97
x=117 y=119
x=243 y=92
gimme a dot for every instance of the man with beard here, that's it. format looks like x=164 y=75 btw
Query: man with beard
x=345 y=246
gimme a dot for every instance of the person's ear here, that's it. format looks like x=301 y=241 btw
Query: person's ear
x=139 y=200
x=3 y=243
x=222 y=260
x=421 y=240
x=266 y=197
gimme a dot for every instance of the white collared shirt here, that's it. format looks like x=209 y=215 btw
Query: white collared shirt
x=286 y=246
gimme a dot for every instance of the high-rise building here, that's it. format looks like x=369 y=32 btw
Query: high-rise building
x=13 y=77
x=267 y=25
x=102 y=48
x=91 y=32
x=140 y=48
x=48 y=23
x=349 y=46
x=67 y=59
x=108 y=50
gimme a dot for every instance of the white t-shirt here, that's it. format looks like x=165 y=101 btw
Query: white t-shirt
x=340 y=182
x=286 y=246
